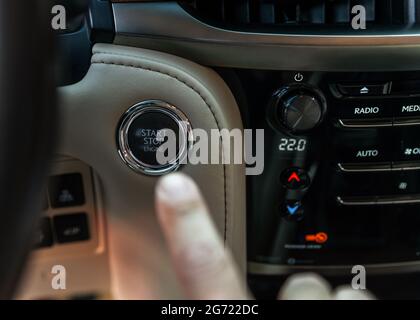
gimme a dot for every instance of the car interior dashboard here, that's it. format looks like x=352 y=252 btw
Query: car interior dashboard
x=340 y=109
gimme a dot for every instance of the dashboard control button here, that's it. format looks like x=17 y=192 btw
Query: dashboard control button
x=66 y=190
x=406 y=107
x=407 y=144
x=146 y=134
x=361 y=184
x=352 y=109
x=144 y=128
x=354 y=184
x=71 y=227
x=293 y=210
x=295 y=178
x=43 y=233
x=406 y=182
x=364 y=89
x=298 y=108
x=364 y=145
x=301 y=112
x=319 y=238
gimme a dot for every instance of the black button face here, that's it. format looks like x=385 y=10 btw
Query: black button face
x=362 y=184
x=43 y=234
x=370 y=184
x=364 y=145
x=362 y=109
x=403 y=108
x=295 y=178
x=407 y=144
x=147 y=133
x=71 y=227
x=406 y=182
x=292 y=210
x=364 y=89
x=66 y=190
x=301 y=112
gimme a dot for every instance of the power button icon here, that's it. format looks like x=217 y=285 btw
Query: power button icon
x=298 y=77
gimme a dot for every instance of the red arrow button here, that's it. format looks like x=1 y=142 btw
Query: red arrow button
x=293 y=176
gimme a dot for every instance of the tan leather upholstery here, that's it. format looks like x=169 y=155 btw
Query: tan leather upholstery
x=120 y=77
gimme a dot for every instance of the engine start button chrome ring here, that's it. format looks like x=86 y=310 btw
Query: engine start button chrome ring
x=141 y=132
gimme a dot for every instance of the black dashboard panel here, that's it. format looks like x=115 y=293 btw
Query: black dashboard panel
x=89 y=22
x=346 y=192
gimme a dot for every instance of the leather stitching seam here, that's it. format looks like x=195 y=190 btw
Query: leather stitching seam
x=186 y=84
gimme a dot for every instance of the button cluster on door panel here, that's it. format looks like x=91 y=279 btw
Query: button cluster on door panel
x=65 y=192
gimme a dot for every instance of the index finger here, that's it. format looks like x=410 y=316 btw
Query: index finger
x=204 y=267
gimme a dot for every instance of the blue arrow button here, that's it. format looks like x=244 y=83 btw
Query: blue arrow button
x=292 y=210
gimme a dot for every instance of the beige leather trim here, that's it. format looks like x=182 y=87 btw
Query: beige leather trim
x=120 y=77
x=86 y=262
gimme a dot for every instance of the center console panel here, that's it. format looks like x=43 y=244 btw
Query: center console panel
x=341 y=184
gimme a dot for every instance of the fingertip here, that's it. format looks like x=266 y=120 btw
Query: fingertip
x=348 y=293
x=175 y=188
x=305 y=286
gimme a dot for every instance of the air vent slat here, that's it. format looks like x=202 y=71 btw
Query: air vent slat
x=417 y=15
x=340 y=12
x=242 y=12
x=404 y=12
x=410 y=12
x=384 y=12
x=398 y=12
x=288 y=13
x=306 y=16
x=313 y=13
x=267 y=12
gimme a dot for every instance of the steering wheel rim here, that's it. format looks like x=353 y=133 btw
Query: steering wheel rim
x=27 y=122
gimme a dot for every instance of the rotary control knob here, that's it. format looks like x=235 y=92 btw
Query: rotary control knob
x=300 y=109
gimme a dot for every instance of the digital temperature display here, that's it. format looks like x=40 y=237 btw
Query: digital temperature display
x=292 y=145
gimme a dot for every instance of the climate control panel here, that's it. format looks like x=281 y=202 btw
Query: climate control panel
x=341 y=184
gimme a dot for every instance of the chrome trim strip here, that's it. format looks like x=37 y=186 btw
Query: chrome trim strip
x=397 y=201
x=357 y=202
x=406 y=123
x=363 y=167
x=378 y=200
x=185 y=130
x=257 y=268
x=405 y=167
x=167 y=27
x=361 y=124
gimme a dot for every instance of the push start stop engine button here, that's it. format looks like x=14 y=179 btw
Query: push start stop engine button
x=143 y=130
